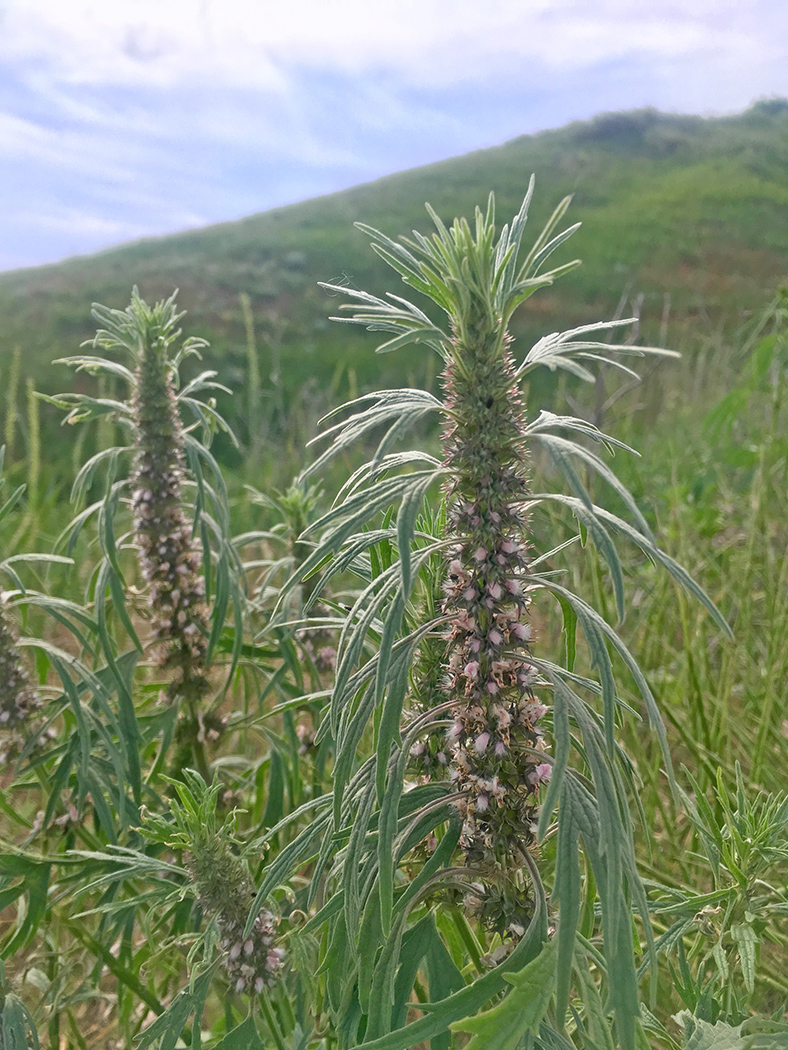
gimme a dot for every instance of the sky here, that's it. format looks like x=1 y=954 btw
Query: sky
x=122 y=119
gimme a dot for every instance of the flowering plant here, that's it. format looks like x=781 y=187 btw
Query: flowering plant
x=435 y=844
x=189 y=567
x=484 y=722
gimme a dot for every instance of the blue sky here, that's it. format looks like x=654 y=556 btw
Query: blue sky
x=128 y=118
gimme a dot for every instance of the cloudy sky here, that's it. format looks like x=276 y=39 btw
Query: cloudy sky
x=125 y=118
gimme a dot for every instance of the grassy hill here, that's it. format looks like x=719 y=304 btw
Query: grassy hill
x=690 y=207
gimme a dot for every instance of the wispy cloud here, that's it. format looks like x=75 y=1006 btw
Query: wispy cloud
x=243 y=42
x=128 y=118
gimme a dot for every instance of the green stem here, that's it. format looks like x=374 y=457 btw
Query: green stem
x=273 y=1027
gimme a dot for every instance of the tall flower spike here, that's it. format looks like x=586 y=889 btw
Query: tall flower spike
x=497 y=760
x=496 y=737
x=495 y=747
x=18 y=699
x=169 y=554
x=169 y=557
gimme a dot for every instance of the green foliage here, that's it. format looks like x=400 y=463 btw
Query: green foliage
x=700 y=1035
x=743 y=840
x=521 y=1012
x=477 y=281
x=17 y=1028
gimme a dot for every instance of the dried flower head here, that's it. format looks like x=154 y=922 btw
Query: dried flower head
x=496 y=735
x=169 y=556
x=18 y=699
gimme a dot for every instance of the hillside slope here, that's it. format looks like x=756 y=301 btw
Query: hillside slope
x=687 y=206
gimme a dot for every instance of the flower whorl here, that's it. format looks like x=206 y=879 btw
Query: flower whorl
x=169 y=557
x=495 y=740
x=225 y=892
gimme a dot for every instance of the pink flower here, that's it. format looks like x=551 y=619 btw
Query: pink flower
x=533 y=712
x=481 y=742
x=541 y=774
x=502 y=717
x=471 y=669
x=455 y=732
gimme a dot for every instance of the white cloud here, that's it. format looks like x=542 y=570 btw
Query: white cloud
x=427 y=42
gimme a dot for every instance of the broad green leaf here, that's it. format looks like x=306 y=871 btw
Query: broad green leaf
x=521 y=1012
x=753 y=1033
x=36 y=886
x=747 y=942
x=17 y=1030
x=274 y=810
x=244 y=1037
x=570 y=632
x=468 y=1000
x=415 y=944
x=595 y=1015
x=444 y=978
